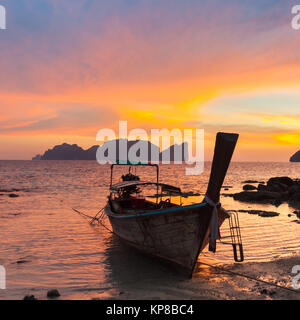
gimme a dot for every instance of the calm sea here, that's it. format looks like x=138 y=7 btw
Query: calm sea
x=45 y=245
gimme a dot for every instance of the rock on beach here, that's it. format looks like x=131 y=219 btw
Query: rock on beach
x=276 y=191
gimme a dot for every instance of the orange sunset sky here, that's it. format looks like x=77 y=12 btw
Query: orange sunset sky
x=70 y=68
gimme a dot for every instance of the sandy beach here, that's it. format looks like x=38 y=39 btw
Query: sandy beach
x=209 y=283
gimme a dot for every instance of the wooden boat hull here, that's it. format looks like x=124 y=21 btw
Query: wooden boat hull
x=176 y=235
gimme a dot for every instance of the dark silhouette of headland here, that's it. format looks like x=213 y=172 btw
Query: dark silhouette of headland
x=67 y=151
x=295 y=157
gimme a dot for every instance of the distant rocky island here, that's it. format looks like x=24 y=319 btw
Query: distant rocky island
x=295 y=157
x=67 y=151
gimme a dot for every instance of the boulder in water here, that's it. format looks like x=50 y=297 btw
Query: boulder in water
x=295 y=197
x=281 y=181
x=261 y=213
x=259 y=196
x=13 y=195
x=294 y=189
x=262 y=187
x=249 y=187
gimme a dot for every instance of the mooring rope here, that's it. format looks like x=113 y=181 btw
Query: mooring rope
x=250 y=277
x=83 y=214
x=104 y=226
x=99 y=220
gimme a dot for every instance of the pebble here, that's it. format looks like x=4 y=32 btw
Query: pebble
x=21 y=261
x=13 y=195
x=267 y=292
x=53 y=293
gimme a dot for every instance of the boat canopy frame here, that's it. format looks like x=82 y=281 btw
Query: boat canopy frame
x=132 y=165
x=171 y=190
x=127 y=184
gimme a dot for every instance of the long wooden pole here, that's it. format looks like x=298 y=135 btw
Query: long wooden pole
x=224 y=148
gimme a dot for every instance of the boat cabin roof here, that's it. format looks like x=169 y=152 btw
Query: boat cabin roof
x=127 y=184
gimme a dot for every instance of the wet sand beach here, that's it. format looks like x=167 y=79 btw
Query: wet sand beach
x=139 y=277
x=210 y=283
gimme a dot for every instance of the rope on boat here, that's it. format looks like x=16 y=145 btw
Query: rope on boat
x=83 y=214
x=250 y=277
x=99 y=218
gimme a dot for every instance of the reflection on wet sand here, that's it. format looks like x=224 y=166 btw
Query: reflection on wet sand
x=125 y=265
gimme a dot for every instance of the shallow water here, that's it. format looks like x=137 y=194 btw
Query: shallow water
x=45 y=245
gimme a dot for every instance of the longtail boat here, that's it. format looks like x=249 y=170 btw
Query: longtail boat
x=167 y=230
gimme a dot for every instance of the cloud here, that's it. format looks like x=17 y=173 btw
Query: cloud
x=73 y=119
x=62 y=45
